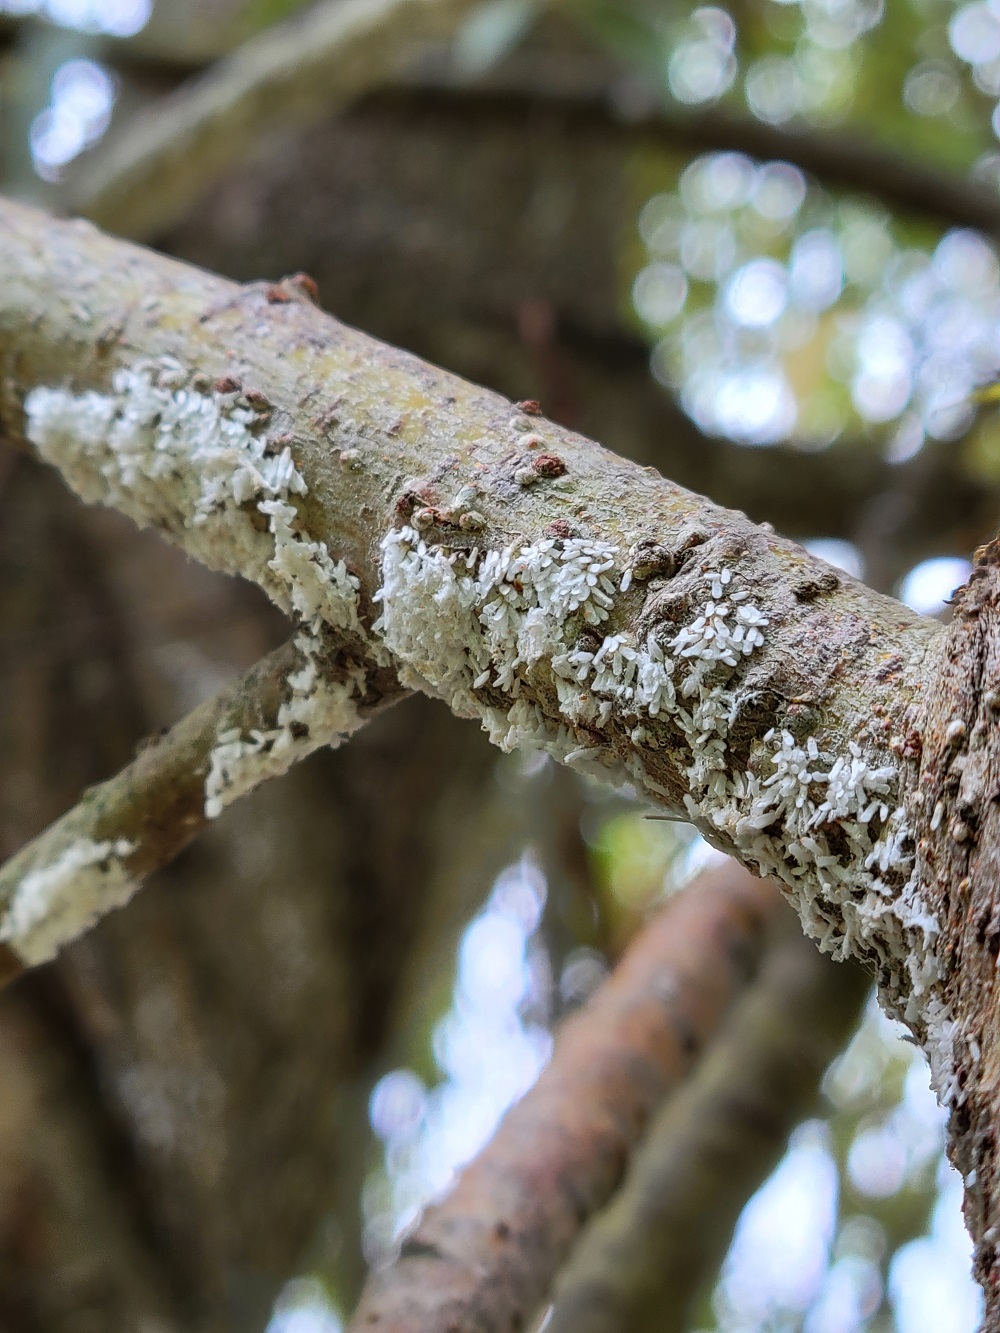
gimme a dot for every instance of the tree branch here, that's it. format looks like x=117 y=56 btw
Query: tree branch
x=483 y=1260
x=93 y=858
x=490 y=538
x=650 y=1255
x=287 y=76
x=594 y=94
x=421 y=481
x=954 y=803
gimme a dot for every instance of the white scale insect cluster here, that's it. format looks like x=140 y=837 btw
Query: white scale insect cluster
x=55 y=903
x=196 y=462
x=828 y=827
x=319 y=711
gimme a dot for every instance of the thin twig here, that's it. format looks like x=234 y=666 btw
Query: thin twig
x=93 y=858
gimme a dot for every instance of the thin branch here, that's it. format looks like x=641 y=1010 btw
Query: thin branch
x=482 y=1260
x=92 y=859
x=595 y=96
x=288 y=76
x=661 y=1241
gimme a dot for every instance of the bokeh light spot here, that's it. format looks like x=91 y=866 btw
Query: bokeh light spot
x=929 y=585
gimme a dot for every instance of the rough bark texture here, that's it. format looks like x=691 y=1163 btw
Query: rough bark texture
x=171 y=1028
x=382 y=440
x=447 y=507
x=955 y=806
x=77 y=304
x=482 y=1261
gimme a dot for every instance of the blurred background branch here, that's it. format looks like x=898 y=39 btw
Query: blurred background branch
x=644 y=1262
x=285 y=78
x=484 y=1258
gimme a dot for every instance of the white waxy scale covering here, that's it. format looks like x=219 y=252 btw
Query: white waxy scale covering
x=55 y=903
x=825 y=825
x=460 y=622
x=196 y=464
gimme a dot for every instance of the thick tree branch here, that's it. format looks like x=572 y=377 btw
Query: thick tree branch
x=287 y=76
x=491 y=538
x=661 y=1241
x=93 y=858
x=483 y=1260
x=954 y=804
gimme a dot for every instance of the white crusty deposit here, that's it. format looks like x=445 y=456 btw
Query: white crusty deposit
x=55 y=903
x=197 y=462
x=526 y=621
x=322 y=709
x=530 y=639
x=167 y=448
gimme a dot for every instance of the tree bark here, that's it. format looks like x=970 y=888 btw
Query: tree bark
x=383 y=441
x=954 y=807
